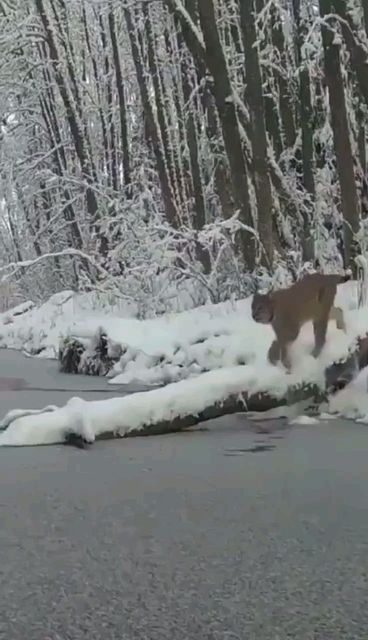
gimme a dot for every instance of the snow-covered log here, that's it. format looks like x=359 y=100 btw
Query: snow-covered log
x=177 y=406
x=172 y=408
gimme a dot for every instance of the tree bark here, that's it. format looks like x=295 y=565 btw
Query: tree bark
x=362 y=135
x=151 y=127
x=341 y=135
x=365 y=15
x=358 y=53
x=199 y=216
x=359 y=63
x=223 y=183
x=306 y=123
x=222 y=180
x=72 y=116
x=98 y=83
x=272 y=115
x=160 y=104
x=222 y=90
x=254 y=96
x=113 y=168
x=47 y=106
x=122 y=104
x=285 y=96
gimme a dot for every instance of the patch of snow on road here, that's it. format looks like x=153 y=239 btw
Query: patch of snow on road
x=304 y=420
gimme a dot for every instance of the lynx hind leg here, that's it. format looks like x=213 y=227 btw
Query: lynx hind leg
x=337 y=314
x=274 y=353
x=320 y=330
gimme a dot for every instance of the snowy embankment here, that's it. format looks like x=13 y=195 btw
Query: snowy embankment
x=218 y=349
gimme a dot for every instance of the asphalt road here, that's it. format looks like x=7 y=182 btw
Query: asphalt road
x=219 y=534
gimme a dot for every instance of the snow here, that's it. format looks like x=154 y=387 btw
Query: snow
x=133 y=412
x=304 y=420
x=176 y=346
x=40 y=328
x=185 y=16
x=352 y=402
x=207 y=353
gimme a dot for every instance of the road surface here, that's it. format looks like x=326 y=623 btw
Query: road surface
x=219 y=534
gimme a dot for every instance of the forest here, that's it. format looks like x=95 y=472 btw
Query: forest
x=176 y=152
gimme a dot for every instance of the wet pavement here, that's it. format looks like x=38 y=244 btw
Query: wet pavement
x=237 y=530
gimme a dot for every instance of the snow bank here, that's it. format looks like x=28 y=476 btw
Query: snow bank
x=175 y=346
x=352 y=402
x=130 y=413
x=219 y=337
x=179 y=346
x=38 y=330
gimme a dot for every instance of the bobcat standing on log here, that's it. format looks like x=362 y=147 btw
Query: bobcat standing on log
x=311 y=298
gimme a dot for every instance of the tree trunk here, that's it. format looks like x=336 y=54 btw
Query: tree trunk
x=341 y=135
x=160 y=109
x=98 y=84
x=358 y=53
x=72 y=112
x=122 y=105
x=222 y=180
x=112 y=142
x=285 y=96
x=151 y=127
x=362 y=149
x=272 y=115
x=359 y=63
x=199 y=217
x=222 y=90
x=365 y=15
x=254 y=97
x=306 y=123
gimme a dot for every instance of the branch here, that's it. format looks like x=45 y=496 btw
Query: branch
x=192 y=35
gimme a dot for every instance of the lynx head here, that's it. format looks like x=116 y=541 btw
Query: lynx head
x=262 y=308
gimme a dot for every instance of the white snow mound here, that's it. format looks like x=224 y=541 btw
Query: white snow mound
x=221 y=340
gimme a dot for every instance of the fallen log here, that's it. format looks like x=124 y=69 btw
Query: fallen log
x=170 y=409
x=237 y=403
x=337 y=376
x=173 y=408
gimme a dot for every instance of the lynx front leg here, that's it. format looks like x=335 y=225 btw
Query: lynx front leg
x=274 y=353
x=285 y=358
x=320 y=330
x=286 y=334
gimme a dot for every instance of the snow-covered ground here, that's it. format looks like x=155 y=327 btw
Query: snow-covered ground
x=209 y=353
x=175 y=346
x=39 y=329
